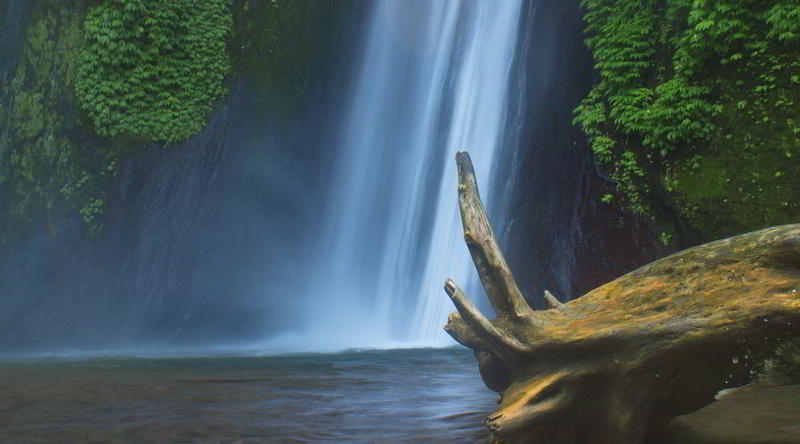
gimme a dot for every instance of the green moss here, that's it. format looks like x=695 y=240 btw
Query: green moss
x=699 y=178
x=275 y=42
x=29 y=113
x=727 y=194
x=38 y=124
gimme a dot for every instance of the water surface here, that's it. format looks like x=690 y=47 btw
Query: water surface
x=422 y=395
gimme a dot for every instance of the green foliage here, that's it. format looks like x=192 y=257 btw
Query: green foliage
x=90 y=212
x=784 y=20
x=681 y=78
x=153 y=69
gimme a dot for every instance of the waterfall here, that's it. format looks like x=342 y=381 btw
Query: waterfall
x=433 y=79
x=326 y=226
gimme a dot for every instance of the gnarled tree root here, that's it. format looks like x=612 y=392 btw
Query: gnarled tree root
x=614 y=365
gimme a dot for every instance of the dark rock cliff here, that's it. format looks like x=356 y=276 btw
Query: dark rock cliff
x=561 y=236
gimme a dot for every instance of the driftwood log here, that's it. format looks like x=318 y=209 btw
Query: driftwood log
x=614 y=365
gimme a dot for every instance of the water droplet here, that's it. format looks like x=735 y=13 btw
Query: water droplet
x=735 y=359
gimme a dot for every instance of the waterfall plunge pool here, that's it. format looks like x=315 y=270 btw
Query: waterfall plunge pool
x=405 y=395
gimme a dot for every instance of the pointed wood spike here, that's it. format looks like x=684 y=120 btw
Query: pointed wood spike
x=494 y=272
x=552 y=301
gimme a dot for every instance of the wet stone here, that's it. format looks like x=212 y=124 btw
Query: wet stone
x=759 y=416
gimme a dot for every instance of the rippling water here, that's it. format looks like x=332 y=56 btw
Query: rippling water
x=425 y=395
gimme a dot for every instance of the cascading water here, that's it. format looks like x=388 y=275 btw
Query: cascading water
x=433 y=79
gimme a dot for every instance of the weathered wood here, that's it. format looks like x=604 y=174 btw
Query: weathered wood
x=494 y=272
x=552 y=301
x=498 y=340
x=616 y=364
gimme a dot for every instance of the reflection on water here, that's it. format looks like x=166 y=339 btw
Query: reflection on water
x=429 y=395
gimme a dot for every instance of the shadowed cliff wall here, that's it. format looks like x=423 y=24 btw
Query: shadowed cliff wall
x=561 y=237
